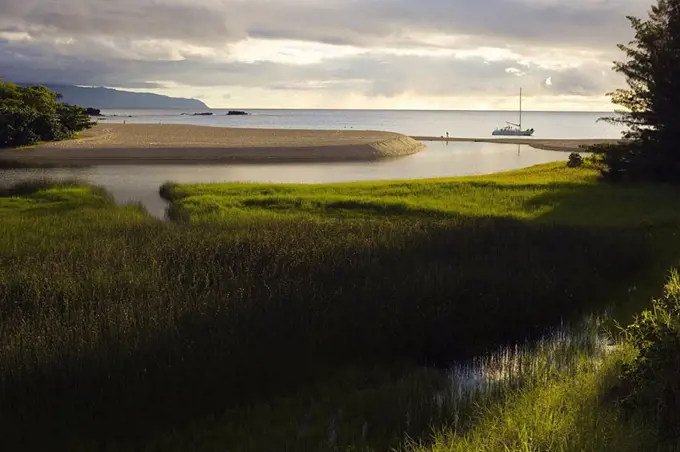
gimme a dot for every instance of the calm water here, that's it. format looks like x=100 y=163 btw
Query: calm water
x=472 y=124
x=140 y=183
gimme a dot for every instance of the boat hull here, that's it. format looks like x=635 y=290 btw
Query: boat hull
x=513 y=133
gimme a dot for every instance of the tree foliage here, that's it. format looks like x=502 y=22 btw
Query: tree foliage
x=29 y=114
x=651 y=101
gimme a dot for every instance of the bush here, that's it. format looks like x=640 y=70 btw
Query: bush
x=653 y=377
x=633 y=161
x=575 y=160
x=73 y=119
x=15 y=126
x=32 y=114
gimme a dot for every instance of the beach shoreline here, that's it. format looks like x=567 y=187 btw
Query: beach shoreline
x=150 y=143
x=545 y=144
x=110 y=144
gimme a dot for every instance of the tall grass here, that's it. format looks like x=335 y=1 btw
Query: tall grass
x=115 y=325
x=569 y=413
x=350 y=413
x=625 y=398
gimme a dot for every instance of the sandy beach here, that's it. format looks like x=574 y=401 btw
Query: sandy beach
x=151 y=143
x=538 y=143
x=107 y=144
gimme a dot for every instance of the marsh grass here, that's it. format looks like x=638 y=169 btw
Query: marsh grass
x=116 y=327
x=568 y=413
x=429 y=409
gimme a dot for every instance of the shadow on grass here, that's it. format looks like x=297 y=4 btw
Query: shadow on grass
x=611 y=205
x=165 y=325
x=50 y=197
x=31 y=187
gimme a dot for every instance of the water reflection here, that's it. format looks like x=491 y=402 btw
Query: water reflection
x=565 y=351
x=140 y=183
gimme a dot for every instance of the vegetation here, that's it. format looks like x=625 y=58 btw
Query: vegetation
x=547 y=194
x=32 y=114
x=575 y=160
x=339 y=417
x=329 y=316
x=117 y=328
x=625 y=400
x=652 y=382
x=652 y=71
x=567 y=412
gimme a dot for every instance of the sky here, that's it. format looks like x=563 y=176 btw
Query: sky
x=385 y=54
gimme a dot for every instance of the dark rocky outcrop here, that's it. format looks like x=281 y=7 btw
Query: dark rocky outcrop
x=93 y=111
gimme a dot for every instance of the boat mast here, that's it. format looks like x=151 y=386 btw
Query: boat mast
x=520 y=109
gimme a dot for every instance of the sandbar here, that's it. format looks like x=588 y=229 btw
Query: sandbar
x=563 y=145
x=178 y=143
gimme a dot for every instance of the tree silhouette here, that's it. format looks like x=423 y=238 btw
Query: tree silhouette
x=651 y=101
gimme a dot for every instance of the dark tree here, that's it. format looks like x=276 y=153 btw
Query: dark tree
x=29 y=114
x=651 y=103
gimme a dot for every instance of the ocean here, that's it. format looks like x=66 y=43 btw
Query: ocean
x=467 y=124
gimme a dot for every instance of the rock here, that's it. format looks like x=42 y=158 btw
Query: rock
x=93 y=111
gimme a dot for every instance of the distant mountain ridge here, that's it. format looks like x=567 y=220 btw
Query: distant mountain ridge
x=109 y=98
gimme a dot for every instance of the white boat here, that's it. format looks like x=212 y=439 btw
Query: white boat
x=512 y=129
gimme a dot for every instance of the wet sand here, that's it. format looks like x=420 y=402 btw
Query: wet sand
x=151 y=143
x=538 y=143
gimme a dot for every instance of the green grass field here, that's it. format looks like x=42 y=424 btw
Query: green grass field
x=266 y=300
x=549 y=193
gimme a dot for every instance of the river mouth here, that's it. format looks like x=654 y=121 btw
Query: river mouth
x=141 y=183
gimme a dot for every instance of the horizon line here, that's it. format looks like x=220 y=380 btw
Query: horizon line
x=369 y=109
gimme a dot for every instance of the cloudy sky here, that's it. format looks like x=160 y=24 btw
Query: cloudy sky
x=418 y=54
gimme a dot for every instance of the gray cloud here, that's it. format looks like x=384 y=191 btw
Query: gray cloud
x=596 y=22
x=120 y=18
x=370 y=74
x=102 y=37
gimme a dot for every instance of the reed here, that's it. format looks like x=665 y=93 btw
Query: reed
x=116 y=327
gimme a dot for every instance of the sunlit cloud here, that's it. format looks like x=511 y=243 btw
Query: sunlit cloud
x=330 y=53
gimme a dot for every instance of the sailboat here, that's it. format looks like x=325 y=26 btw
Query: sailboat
x=512 y=129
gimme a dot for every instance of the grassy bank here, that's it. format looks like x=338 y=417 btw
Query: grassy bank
x=546 y=194
x=625 y=399
x=422 y=405
x=572 y=411
x=117 y=328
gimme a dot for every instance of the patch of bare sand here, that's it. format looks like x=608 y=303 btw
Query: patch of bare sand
x=545 y=144
x=151 y=143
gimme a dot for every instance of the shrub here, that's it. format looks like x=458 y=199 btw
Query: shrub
x=653 y=378
x=575 y=160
